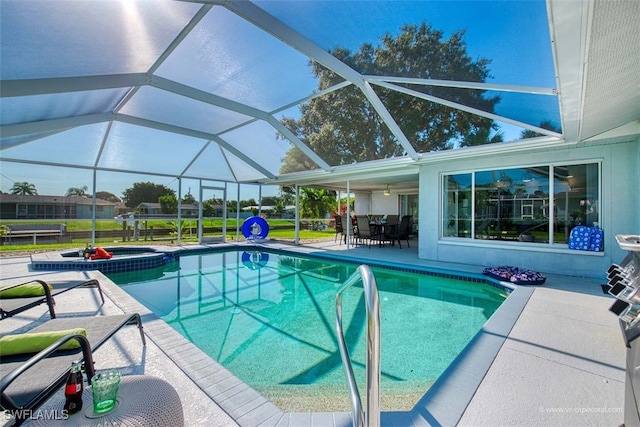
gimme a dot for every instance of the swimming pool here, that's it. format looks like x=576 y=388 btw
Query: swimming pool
x=269 y=318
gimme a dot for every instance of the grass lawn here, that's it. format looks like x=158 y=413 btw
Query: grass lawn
x=280 y=229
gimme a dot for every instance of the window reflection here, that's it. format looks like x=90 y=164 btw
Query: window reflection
x=512 y=204
x=457 y=205
x=577 y=198
x=515 y=204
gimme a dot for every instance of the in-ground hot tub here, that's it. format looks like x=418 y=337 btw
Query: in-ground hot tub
x=125 y=258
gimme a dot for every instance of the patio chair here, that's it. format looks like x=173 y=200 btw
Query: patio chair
x=10 y=306
x=366 y=232
x=347 y=225
x=401 y=232
x=390 y=228
x=392 y=220
x=339 y=229
x=28 y=380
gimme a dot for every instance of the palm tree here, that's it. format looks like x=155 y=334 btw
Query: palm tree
x=24 y=188
x=77 y=192
x=316 y=202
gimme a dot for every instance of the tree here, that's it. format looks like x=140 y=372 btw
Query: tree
x=145 y=192
x=232 y=205
x=249 y=202
x=24 y=188
x=168 y=204
x=482 y=136
x=209 y=207
x=342 y=126
x=189 y=199
x=269 y=200
x=316 y=202
x=279 y=207
x=105 y=195
x=77 y=191
x=343 y=205
x=288 y=195
x=544 y=125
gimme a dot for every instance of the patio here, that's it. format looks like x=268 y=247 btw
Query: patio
x=541 y=375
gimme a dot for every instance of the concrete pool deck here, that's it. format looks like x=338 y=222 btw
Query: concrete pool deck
x=562 y=362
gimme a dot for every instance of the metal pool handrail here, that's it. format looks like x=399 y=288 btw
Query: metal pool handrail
x=371 y=417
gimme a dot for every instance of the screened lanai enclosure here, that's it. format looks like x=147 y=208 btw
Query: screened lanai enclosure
x=233 y=99
x=246 y=91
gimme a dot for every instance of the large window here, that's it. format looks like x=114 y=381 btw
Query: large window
x=538 y=204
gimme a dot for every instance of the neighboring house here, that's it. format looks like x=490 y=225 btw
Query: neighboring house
x=54 y=207
x=289 y=211
x=120 y=208
x=148 y=209
x=218 y=211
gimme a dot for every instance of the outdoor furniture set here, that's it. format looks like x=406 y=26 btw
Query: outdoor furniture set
x=374 y=230
x=34 y=365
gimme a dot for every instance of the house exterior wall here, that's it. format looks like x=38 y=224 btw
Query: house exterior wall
x=362 y=203
x=377 y=203
x=382 y=204
x=84 y=212
x=102 y=211
x=620 y=183
x=52 y=207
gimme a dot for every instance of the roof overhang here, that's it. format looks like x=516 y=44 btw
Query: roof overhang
x=400 y=173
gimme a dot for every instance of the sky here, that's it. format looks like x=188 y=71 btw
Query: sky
x=53 y=181
x=513 y=33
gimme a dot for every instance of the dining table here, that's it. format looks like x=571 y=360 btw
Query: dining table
x=378 y=230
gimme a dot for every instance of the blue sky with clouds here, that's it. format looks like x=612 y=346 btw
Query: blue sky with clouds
x=513 y=34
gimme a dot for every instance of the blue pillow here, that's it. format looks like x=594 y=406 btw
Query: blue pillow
x=585 y=238
x=597 y=239
x=580 y=238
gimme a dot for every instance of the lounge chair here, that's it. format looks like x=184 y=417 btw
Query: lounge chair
x=12 y=306
x=27 y=380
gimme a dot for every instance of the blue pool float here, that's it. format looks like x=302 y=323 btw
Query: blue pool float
x=255 y=260
x=255 y=228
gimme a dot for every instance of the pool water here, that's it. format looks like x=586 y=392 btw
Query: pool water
x=270 y=319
